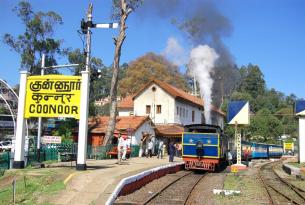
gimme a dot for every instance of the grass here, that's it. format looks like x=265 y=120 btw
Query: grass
x=249 y=185
x=32 y=184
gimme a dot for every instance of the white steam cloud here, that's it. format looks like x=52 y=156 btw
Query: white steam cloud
x=175 y=52
x=202 y=61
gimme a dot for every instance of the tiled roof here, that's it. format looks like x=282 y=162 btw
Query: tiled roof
x=173 y=130
x=178 y=94
x=99 y=124
x=127 y=102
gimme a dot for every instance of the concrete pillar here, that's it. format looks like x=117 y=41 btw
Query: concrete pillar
x=302 y=139
x=83 y=123
x=20 y=131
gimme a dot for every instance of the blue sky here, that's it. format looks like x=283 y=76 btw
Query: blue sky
x=268 y=33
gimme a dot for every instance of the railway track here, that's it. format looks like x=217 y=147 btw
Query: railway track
x=280 y=191
x=177 y=191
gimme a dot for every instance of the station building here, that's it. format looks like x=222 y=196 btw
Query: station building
x=169 y=109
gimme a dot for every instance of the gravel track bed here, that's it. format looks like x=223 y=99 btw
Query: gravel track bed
x=178 y=192
x=149 y=189
x=271 y=179
x=291 y=178
x=203 y=192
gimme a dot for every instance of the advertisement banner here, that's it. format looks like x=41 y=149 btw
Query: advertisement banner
x=53 y=96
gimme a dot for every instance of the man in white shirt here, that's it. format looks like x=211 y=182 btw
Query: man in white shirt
x=124 y=147
x=150 y=147
x=120 y=148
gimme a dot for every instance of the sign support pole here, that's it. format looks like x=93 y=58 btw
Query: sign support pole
x=238 y=144
x=301 y=139
x=84 y=103
x=39 y=130
x=20 y=131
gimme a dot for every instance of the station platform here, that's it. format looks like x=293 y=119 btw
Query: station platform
x=96 y=184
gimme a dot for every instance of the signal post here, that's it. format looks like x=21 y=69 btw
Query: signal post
x=238 y=115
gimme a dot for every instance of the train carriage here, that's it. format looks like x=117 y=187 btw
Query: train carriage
x=214 y=147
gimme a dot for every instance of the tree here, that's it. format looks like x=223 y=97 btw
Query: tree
x=264 y=127
x=121 y=10
x=147 y=67
x=37 y=38
x=252 y=81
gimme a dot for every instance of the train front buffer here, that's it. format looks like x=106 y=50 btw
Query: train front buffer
x=210 y=157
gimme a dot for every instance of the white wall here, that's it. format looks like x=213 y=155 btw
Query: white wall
x=125 y=112
x=184 y=116
x=145 y=127
x=159 y=97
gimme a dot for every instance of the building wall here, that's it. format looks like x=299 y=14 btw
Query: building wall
x=125 y=112
x=144 y=128
x=153 y=99
x=183 y=114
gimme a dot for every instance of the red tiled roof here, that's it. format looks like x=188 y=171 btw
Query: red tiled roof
x=127 y=102
x=173 y=130
x=178 y=94
x=99 y=124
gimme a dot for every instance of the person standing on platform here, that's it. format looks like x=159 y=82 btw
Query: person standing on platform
x=160 y=149
x=120 y=148
x=246 y=154
x=124 y=147
x=229 y=157
x=172 y=151
x=149 y=147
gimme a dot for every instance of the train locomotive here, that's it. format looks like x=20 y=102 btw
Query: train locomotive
x=204 y=147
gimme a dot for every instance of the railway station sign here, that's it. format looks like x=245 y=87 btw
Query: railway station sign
x=300 y=107
x=53 y=96
x=238 y=113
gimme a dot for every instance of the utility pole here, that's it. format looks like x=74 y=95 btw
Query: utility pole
x=84 y=102
x=40 y=119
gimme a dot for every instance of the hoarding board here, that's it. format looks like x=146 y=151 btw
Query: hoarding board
x=53 y=96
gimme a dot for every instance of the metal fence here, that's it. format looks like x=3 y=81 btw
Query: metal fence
x=62 y=152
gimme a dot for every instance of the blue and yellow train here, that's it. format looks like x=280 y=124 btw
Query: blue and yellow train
x=214 y=147
x=205 y=147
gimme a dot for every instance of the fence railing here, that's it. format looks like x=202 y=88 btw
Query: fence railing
x=62 y=152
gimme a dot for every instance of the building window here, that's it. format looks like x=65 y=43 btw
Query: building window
x=193 y=115
x=147 y=109
x=158 y=109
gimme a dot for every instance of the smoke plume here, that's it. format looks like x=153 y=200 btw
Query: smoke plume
x=202 y=62
x=175 y=52
x=201 y=23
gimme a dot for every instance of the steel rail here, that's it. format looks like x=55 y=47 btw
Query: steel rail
x=170 y=184
x=296 y=189
x=188 y=196
x=275 y=189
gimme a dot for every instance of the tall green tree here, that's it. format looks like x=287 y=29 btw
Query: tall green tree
x=264 y=127
x=36 y=39
x=147 y=67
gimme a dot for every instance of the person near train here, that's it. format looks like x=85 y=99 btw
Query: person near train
x=172 y=150
x=229 y=157
x=199 y=149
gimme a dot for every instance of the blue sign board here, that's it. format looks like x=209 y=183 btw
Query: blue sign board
x=300 y=107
